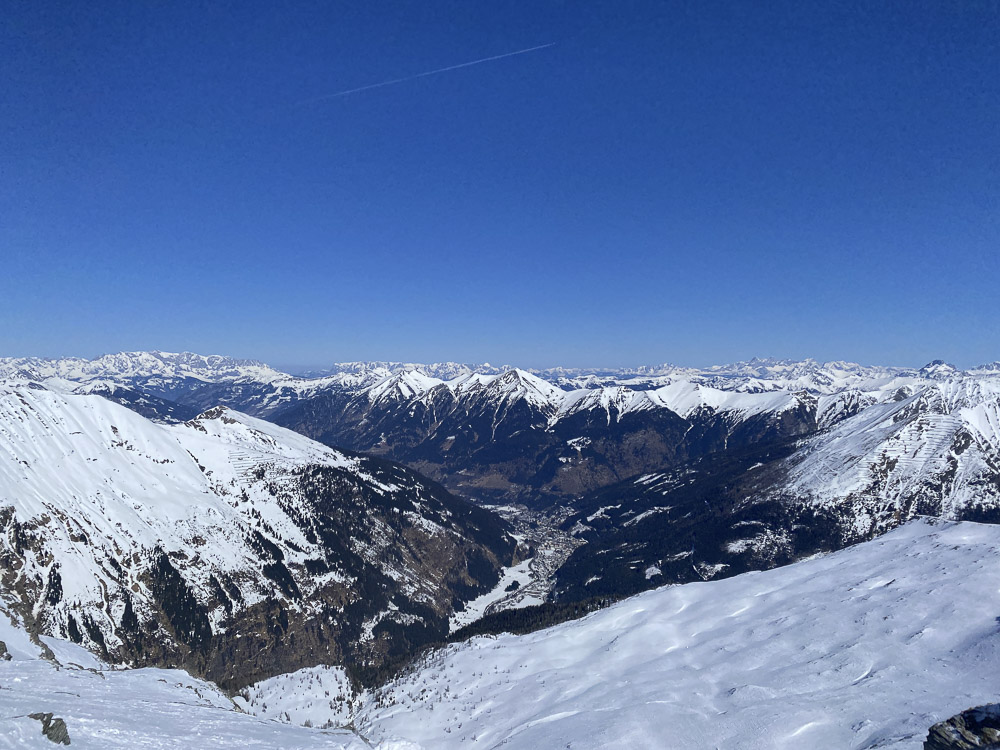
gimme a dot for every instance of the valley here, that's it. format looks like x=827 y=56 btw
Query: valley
x=352 y=539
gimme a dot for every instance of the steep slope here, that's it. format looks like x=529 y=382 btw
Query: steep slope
x=142 y=403
x=935 y=452
x=225 y=544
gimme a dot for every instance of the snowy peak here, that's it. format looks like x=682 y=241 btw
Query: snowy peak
x=402 y=386
x=685 y=398
x=938 y=370
x=125 y=366
x=517 y=384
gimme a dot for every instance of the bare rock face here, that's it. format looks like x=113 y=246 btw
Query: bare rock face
x=53 y=728
x=975 y=728
x=4 y=653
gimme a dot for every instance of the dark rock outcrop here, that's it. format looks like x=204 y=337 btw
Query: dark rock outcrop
x=975 y=728
x=53 y=728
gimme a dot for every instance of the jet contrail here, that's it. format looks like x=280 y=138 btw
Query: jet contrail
x=427 y=73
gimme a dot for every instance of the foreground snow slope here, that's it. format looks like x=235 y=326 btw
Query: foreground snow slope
x=141 y=708
x=863 y=648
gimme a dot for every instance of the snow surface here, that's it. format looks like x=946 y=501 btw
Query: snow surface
x=867 y=647
x=864 y=648
x=316 y=696
x=159 y=709
x=520 y=573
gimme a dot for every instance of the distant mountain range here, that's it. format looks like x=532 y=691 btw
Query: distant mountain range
x=157 y=366
x=668 y=473
x=504 y=434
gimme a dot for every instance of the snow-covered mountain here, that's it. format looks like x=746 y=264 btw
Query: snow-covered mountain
x=506 y=434
x=934 y=451
x=225 y=543
x=517 y=437
x=850 y=450
x=927 y=448
x=864 y=648
x=125 y=366
x=146 y=518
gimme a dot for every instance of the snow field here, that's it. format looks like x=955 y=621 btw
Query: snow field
x=864 y=648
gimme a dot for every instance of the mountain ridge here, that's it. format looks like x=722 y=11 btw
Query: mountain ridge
x=225 y=544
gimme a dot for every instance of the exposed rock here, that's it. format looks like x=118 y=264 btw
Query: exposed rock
x=4 y=653
x=975 y=728
x=53 y=728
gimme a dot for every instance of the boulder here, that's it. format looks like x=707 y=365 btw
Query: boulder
x=53 y=728
x=977 y=728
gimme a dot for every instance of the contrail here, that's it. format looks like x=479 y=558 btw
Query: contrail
x=427 y=73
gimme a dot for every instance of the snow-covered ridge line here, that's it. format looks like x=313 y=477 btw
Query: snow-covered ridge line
x=214 y=368
x=749 y=388
x=140 y=364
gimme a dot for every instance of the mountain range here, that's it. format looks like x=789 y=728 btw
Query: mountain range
x=284 y=536
x=693 y=473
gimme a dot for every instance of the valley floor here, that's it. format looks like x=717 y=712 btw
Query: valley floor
x=530 y=582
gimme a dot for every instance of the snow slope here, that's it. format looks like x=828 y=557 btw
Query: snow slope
x=159 y=709
x=935 y=451
x=115 y=486
x=862 y=648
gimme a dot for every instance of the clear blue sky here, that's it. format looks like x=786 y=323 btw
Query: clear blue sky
x=693 y=182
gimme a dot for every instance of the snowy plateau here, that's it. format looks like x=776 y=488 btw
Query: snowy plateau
x=198 y=551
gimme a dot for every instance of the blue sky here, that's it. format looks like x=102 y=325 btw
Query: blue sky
x=693 y=182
